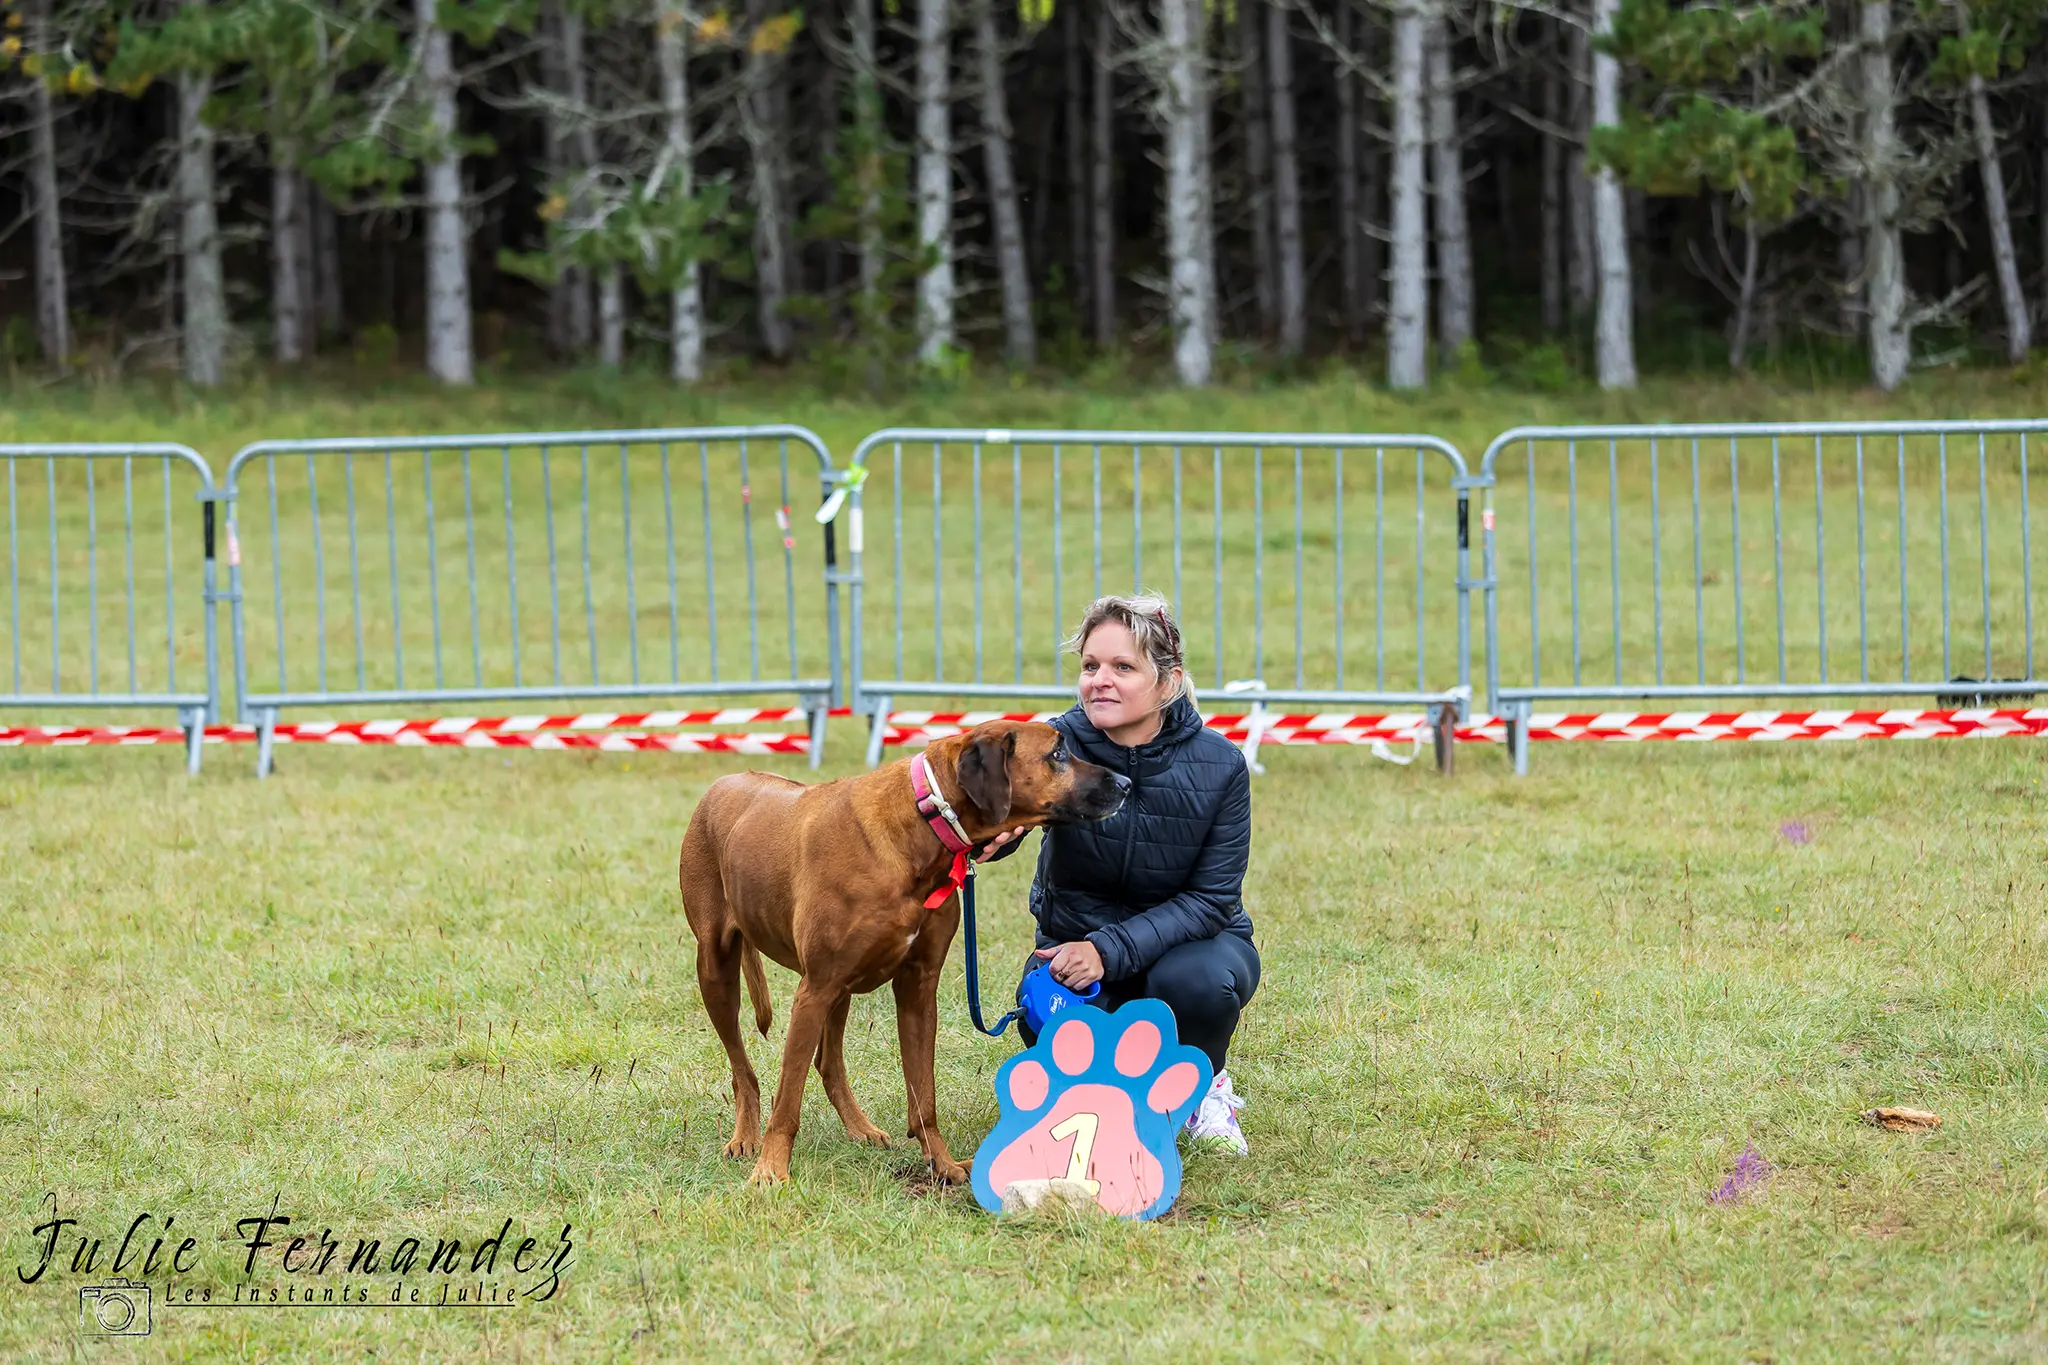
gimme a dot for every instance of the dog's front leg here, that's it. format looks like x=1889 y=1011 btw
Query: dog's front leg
x=917 y=1034
x=807 y=1019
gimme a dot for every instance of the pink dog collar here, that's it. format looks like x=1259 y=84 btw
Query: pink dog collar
x=932 y=805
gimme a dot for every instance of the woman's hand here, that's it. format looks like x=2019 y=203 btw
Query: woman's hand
x=995 y=845
x=1076 y=966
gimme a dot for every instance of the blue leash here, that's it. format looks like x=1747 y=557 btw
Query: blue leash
x=974 y=964
x=1039 y=997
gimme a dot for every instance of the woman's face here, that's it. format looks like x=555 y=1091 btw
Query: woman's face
x=1118 y=684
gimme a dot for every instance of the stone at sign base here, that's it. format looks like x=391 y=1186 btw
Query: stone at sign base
x=1029 y=1196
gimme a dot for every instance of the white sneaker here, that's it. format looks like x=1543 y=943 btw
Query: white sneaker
x=1214 y=1122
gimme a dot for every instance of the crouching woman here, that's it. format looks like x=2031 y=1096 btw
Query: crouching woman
x=1150 y=902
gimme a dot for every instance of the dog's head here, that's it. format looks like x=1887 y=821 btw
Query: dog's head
x=1023 y=774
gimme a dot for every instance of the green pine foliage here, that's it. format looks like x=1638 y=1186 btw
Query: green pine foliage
x=1710 y=108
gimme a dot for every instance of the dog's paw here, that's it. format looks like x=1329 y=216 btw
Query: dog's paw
x=1098 y=1100
x=869 y=1136
x=743 y=1145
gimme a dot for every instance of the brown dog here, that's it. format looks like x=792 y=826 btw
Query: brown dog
x=831 y=881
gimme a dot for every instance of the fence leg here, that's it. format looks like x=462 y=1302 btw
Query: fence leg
x=1255 y=721
x=193 y=719
x=818 y=714
x=266 y=730
x=1518 y=736
x=881 y=721
x=1444 y=735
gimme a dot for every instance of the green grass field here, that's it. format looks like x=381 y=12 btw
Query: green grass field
x=1511 y=1036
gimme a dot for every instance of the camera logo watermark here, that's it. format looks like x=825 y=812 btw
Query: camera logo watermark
x=118 y=1308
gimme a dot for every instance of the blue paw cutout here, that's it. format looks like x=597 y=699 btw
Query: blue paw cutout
x=1100 y=1099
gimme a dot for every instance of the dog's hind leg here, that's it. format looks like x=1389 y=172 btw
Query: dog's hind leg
x=832 y=1071
x=718 y=977
x=807 y=1019
x=721 y=952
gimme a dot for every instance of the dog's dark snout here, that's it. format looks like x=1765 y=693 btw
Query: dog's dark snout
x=1121 y=783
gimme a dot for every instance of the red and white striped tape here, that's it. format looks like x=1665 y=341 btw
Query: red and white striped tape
x=1696 y=726
x=916 y=728
x=626 y=732
x=329 y=732
x=588 y=720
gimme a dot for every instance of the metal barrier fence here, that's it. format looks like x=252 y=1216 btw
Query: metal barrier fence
x=440 y=579
x=1360 y=591
x=1863 y=582
x=75 y=497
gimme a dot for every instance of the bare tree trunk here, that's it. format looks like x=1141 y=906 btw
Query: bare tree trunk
x=1614 y=338
x=1183 y=109
x=326 y=263
x=1293 y=274
x=611 y=317
x=1077 y=158
x=1745 y=299
x=572 y=153
x=767 y=138
x=288 y=273
x=1350 y=236
x=1372 y=196
x=611 y=291
x=309 y=263
x=1578 y=186
x=1453 y=226
x=1408 y=303
x=1505 y=220
x=686 y=302
x=449 y=356
x=1553 y=208
x=1258 y=163
x=561 y=337
x=867 y=121
x=1372 y=190
x=53 y=309
x=2019 y=333
x=1102 y=185
x=1891 y=335
x=827 y=105
x=934 y=182
x=206 y=316
x=1849 y=261
x=1020 y=337
x=1199 y=17
x=1038 y=249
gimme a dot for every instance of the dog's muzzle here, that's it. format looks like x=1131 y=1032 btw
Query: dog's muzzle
x=1098 y=800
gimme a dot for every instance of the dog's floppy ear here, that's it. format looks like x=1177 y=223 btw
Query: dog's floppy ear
x=985 y=775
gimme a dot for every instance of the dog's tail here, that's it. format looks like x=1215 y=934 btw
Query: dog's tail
x=757 y=986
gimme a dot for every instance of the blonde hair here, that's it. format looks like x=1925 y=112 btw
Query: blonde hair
x=1150 y=621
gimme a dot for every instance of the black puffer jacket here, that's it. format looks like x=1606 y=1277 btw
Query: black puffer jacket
x=1166 y=869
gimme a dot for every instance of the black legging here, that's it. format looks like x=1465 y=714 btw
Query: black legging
x=1205 y=983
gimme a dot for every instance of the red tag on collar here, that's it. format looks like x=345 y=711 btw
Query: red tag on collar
x=956 y=878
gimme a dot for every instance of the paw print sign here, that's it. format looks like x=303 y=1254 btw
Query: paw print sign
x=1099 y=1099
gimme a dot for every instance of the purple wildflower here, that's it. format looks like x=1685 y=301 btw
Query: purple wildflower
x=1751 y=1170
x=1796 y=832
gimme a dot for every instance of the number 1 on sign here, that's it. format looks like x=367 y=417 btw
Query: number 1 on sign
x=1081 y=1128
